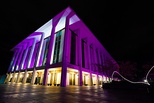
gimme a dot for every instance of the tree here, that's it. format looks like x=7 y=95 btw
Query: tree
x=146 y=67
x=128 y=69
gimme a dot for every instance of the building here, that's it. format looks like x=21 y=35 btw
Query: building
x=61 y=52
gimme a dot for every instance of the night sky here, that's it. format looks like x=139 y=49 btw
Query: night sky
x=125 y=28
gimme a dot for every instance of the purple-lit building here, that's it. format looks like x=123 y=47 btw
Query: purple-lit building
x=61 y=52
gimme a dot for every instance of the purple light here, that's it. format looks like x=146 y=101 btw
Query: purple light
x=63 y=48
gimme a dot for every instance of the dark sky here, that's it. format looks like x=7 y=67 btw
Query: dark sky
x=124 y=28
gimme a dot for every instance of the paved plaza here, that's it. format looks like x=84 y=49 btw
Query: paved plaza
x=26 y=93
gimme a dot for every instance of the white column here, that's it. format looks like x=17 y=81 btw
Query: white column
x=89 y=62
x=7 y=78
x=12 y=61
x=80 y=59
x=23 y=61
x=33 y=77
x=31 y=53
x=18 y=77
x=39 y=51
x=53 y=78
x=25 y=77
x=97 y=80
x=19 y=59
x=15 y=60
x=13 y=77
x=36 y=63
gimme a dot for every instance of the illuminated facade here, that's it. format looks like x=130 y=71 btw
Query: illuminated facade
x=61 y=52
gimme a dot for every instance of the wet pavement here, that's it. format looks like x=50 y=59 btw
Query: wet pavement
x=26 y=93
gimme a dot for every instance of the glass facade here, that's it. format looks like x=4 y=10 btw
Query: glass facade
x=47 y=40
x=58 y=46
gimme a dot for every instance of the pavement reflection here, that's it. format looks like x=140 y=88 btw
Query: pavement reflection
x=26 y=93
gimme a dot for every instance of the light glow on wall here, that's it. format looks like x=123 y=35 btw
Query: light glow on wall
x=40 y=49
x=22 y=66
x=52 y=52
x=31 y=52
x=40 y=55
x=73 y=19
x=28 y=75
x=58 y=78
x=100 y=78
x=61 y=24
x=15 y=75
x=12 y=68
x=85 y=73
x=17 y=67
x=21 y=76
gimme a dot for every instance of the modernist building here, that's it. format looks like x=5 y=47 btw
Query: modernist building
x=61 y=52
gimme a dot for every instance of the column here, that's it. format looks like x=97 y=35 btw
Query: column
x=89 y=62
x=23 y=61
x=13 y=67
x=7 y=78
x=42 y=54
x=31 y=53
x=54 y=23
x=41 y=81
x=18 y=77
x=19 y=60
x=29 y=60
x=11 y=64
x=25 y=77
x=37 y=58
x=80 y=59
x=39 y=51
x=33 y=76
x=97 y=80
x=13 y=77
x=64 y=59
x=91 y=79
x=53 y=78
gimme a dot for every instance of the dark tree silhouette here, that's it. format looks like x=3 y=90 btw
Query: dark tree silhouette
x=128 y=69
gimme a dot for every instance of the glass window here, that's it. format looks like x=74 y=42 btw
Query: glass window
x=47 y=40
x=58 y=46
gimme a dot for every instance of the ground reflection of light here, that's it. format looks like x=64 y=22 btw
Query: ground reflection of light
x=144 y=82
